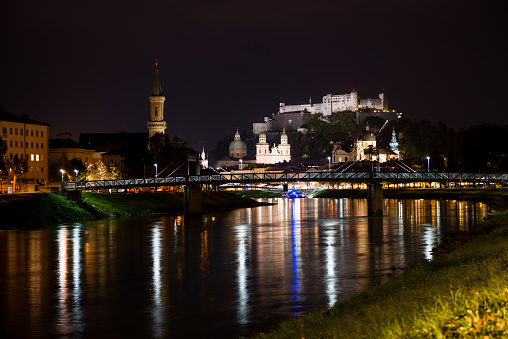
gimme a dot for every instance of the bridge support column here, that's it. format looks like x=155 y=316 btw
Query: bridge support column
x=375 y=199
x=192 y=199
x=285 y=187
x=72 y=195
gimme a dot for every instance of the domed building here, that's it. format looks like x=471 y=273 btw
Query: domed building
x=237 y=147
x=366 y=149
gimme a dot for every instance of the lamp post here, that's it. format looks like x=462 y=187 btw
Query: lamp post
x=76 y=171
x=241 y=164
x=428 y=164
x=329 y=164
x=155 y=169
x=62 y=171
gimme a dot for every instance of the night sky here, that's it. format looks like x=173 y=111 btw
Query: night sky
x=88 y=66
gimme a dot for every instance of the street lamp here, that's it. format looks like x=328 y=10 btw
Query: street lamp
x=241 y=164
x=155 y=169
x=428 y=164
x=62 y=171
x=329 y=164
x=76 y=171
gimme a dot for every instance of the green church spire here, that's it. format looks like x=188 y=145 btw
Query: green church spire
x=157 y=87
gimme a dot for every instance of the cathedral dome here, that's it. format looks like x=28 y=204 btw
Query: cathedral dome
x=237 y=147
x=369 y=136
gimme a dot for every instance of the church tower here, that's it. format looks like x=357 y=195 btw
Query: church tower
x=262 y=148
x=284 y=146
x=156 y=123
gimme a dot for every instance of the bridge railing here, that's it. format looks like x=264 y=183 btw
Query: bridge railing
x=289 y=177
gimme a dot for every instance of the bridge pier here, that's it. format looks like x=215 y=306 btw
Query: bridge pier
x=375 y=199
x=192 y=199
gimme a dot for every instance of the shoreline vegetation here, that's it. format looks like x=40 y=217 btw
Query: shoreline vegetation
x=28 y=209
x=461 y=293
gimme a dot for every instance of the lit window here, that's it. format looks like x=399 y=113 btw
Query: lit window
x=37 y=157
x=31 y=157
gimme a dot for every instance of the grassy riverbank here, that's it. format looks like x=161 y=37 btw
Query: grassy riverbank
x=462 y=293
x=159 y=202
x=19 y=210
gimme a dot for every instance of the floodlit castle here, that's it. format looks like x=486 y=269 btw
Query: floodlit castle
x=295 y=117
x=333 y=103
x=276 y=154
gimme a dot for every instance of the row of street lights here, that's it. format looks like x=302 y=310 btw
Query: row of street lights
x=63 y=172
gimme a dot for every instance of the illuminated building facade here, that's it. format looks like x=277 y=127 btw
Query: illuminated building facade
x=276 y=154
x=28 y=139
x=365 y=148
x=64 y=146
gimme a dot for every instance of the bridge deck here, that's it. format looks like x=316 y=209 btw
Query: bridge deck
x=359 y=177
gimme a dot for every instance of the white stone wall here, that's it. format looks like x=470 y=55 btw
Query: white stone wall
x=331 y=103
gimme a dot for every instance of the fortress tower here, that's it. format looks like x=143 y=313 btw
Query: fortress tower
x=156 y=123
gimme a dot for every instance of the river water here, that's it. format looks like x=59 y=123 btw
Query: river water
x=221 y=275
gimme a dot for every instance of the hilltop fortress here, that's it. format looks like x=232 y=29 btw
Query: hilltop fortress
x=296 y=117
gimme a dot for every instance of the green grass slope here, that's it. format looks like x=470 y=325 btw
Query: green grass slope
x=159 y=202
x=19 y=210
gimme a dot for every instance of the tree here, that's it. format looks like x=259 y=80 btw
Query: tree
x=99 y=171
x=16 y=167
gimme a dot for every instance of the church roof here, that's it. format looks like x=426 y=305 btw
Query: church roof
x=156 y=87
x=66 y=143
x=5 y=116
x=369 y=136
x=237 y=145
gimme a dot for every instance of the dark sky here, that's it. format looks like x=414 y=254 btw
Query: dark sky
x=88 y=66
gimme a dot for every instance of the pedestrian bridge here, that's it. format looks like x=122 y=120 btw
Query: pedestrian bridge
x=286 y=177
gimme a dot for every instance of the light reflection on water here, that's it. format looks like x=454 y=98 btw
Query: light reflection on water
x=224 y=274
